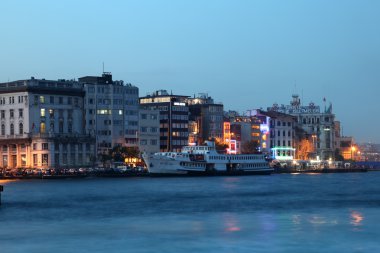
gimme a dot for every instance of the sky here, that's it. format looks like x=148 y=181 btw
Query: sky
x=246 y=54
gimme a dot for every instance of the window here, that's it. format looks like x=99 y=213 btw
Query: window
x=69 y=100
x=51 y=113
x=2 y=114
x=21 y=128
x=34 y=146
x=35 y=160
x=23 y=160
x=153 y=116
x=12 y=131
x=42 y=127
x=2 y=129
x=11 y=113
x=45 y=158
x=143 y=116
x=153 y=142
x=45 y=146
x=20 y=113
x=60 y=100
x=42 y=99
x=70 y=127
x=60 y=127
x=51 y=100
x=42 y=114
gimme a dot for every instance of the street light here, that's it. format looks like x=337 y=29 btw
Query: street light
x=352 y=152
x=314 y=137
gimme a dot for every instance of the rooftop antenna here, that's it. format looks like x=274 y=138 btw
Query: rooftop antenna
x=103 y=67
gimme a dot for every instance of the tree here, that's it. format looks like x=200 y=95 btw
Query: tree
x=305 y=147
x=250 y=147
x=338 y=156
x=220 y=146
x=119 y=153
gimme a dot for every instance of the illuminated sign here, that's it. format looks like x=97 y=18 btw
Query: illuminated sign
x=232 y=149
x=179 y=103
x=295 y=109
x=264 y=128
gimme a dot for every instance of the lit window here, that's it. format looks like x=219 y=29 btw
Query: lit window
x=42 y=127
x=42 y=112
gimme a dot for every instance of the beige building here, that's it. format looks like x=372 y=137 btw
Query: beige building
x=42 y=125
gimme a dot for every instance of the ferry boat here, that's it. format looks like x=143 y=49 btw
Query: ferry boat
x=205 y=160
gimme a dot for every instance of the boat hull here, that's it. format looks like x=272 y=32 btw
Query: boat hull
x=211 y=173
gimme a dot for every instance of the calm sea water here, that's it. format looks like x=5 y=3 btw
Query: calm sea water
x=277 y=213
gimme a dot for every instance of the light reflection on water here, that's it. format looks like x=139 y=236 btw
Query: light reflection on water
x=278 y=213
x=356 y=218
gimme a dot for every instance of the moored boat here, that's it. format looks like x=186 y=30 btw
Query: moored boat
x=205 y=160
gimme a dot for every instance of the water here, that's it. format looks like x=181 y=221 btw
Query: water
x=277 y=213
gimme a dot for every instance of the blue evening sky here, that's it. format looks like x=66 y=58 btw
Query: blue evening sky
x=246 y=54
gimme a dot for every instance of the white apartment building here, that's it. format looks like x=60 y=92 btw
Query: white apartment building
x=111 y=109
x=42 y=125
x=149 y=131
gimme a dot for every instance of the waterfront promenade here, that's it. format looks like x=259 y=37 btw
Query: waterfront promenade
x=83 y=173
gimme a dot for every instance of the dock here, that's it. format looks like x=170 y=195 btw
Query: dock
x=324 y=170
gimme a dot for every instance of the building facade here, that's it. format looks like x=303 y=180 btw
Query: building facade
x=149 y=131
x=208 y=116
x=174 y=118
x=42 y=125
x=111 y=109
x=314 y=123
x=276 y=133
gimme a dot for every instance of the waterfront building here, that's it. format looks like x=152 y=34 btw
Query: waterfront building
x=277 y=133
x=207 y=117
x=314 y=123
x=241 y=130
x=227 y=132
x=112 y=111
x=174 y=118
x=149 y=131
x=42 y=125
x=348 y=148
x=369 y=152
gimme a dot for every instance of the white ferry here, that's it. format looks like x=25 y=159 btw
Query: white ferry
x=204 y=160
